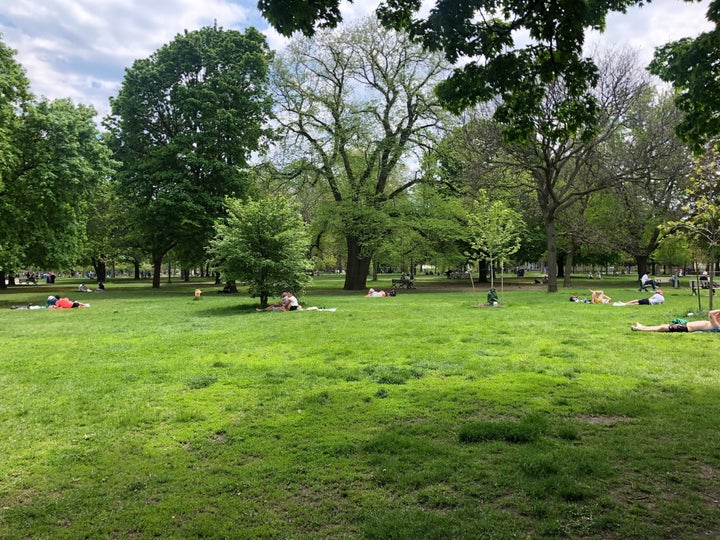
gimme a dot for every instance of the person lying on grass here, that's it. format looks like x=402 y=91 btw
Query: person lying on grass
x=599 y=297
x=63 y=303
x=372 y=293
x=654 y=300
x=711 y=325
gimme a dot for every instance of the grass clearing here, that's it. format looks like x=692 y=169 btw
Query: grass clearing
x=151 y=414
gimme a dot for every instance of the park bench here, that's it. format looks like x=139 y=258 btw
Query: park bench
x=648 y=285
x=704 y=284
x=403 y=282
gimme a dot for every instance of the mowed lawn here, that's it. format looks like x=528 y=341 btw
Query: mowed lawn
x=154 y=415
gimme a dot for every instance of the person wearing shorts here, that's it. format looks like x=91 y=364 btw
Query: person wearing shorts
x=654 y=300
x=711 y=325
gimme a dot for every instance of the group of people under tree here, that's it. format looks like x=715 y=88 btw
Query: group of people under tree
x=288 y=302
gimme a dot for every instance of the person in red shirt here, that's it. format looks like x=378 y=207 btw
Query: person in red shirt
x=65 y=303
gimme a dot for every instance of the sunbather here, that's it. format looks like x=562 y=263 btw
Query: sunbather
x=599 y=297
x=654 y=300
x=711 y=325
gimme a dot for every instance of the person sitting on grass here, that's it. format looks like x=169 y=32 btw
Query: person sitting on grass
x=599 y=297
x=278 y=306
x=291 y=303
x=711 y=325
x=288 y=303
x=654 y=300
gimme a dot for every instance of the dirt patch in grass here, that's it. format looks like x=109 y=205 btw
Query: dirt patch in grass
x=604 y=420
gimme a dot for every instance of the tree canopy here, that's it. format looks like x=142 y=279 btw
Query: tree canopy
x=353 y=106
x=184 y=124
x=691 y=65
x=512 y=49
x=264 y=244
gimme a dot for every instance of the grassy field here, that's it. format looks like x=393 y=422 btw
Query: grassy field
x=153 y=415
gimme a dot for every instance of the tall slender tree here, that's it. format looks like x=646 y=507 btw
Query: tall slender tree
x=701 y=222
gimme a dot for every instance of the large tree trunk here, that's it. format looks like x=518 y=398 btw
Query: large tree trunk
x=157 y=270
x=642 y=265
x=551 y=255
x=357 y=267
x=568 y=267
x=561 y=265
x=100 y=269
x=483 y=271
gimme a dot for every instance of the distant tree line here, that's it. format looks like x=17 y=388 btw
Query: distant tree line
x=356 y=148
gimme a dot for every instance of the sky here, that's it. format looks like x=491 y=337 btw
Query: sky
x=79 y=49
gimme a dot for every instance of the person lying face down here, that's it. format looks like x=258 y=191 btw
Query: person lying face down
x=63 y=303
x=711 y=325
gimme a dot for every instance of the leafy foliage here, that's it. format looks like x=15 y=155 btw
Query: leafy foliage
x=62 y=161
x=264 y=244
x=353 y=107
x=184 y=123
x=496 y=230
x=483 y=35
x=690 y=64
x=701 y=221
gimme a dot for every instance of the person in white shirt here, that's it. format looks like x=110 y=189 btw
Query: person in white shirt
x=654 y=300
x=646 y=281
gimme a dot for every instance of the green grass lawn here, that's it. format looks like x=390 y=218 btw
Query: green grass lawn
x=151 y=414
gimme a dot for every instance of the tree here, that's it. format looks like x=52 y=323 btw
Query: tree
x=483 y=35
x=14 y=94
x=184 y=124
x=61 y=162
x=263 y=243
x=473 y=159
x=557 y=165
x=702 y=209
x=495 y=231
x=691 y=66
x=105 y=225
x=354 y=105
x=657 y=165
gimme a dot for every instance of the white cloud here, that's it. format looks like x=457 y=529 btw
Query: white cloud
x=654 y=24
x=80 y=48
